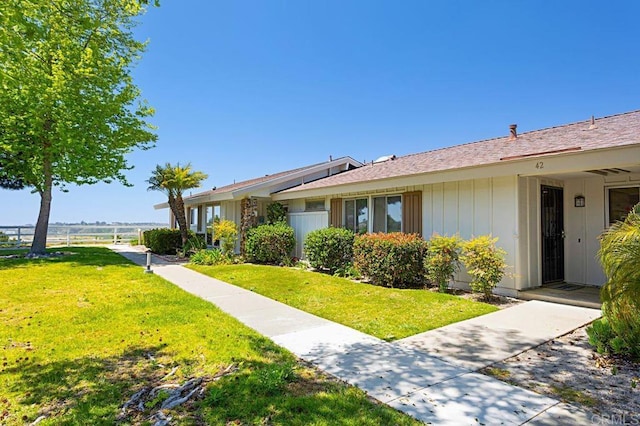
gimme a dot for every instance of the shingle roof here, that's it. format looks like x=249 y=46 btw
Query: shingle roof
x=239 y=185
x=267 y=178
x=611 y=131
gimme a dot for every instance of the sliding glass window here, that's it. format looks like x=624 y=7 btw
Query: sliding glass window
x=387 y=214
x=357 y=215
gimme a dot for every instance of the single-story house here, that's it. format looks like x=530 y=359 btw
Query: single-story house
x=546 y=194
x=245 y=202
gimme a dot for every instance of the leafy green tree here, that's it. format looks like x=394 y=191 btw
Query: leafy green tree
x=173 y=181
x=69 y=111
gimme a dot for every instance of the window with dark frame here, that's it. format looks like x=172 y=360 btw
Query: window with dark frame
x=387 y=214
x=314 y=205
x=357 y=215
x=621 y=201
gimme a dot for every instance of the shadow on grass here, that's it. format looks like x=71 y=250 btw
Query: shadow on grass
x=274 y=388
x=76 y=256
x=285 y=391
x=88 y=390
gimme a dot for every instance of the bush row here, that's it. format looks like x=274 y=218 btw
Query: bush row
x=406 y=260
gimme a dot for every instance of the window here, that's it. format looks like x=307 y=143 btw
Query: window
x=314 y=206
x=387 y=214
x=621 y=201
x=357 y=215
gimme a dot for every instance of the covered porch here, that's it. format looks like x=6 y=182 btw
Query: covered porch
x=567 y=294
x=565 y=205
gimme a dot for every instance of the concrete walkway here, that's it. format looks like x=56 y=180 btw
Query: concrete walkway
x=430 y=376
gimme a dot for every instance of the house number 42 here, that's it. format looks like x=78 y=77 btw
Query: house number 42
x=539 y=165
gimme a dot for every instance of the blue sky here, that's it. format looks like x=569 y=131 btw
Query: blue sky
x=246 y=88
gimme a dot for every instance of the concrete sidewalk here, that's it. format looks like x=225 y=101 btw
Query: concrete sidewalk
x=428 y=376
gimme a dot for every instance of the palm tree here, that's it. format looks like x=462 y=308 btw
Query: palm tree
x=620 y=257
x=173 y=180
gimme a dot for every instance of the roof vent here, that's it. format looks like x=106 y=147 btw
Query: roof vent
x=513 y=133
x=385 y=158
x=592 y=125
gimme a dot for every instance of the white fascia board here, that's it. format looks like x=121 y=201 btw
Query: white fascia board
x=208 y=198
x=624 y=156
x=161 y=206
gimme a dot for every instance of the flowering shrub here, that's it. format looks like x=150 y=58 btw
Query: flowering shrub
x=227 y=232
x=392 y=260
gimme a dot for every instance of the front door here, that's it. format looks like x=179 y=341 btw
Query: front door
x=552 y=234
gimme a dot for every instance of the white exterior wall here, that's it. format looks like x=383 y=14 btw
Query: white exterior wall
x=583 y=225
x=305 y=222
x=473 y=208
x=230 y=210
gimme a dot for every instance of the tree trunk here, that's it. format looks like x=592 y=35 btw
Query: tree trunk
x=181 y=218
x=39 y=244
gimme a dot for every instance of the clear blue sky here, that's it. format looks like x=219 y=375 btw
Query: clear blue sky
x=246 y=88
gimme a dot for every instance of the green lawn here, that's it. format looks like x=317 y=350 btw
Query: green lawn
x=386 y=313
x=81 y=333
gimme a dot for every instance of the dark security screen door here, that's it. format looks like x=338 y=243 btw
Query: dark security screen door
x=552 y=235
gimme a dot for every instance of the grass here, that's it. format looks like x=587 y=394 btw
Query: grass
x=386 y=313
x=83 y=332
x=570 y=395
x=498 y=373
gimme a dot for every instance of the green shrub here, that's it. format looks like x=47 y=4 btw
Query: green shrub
x=210 y=257
x=484 y=262
x=329 y=248
x=348 y=271
x=163 y=240
x=392 y=260
x=227 y=232
x=442 y=260
x=194 y=244
x=276 y=213
x=270 y=243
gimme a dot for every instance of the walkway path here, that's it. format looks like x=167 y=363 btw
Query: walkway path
x=430 y=376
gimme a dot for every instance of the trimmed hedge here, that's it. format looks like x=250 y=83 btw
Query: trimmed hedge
x=270 y=243
x=162 y=240
x=329 y=248
x=391 y=260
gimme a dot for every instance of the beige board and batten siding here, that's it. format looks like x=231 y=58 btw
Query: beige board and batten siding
x=473 y=208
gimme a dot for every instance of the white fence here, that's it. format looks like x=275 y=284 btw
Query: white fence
x=305 y=222
x=20 y=236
